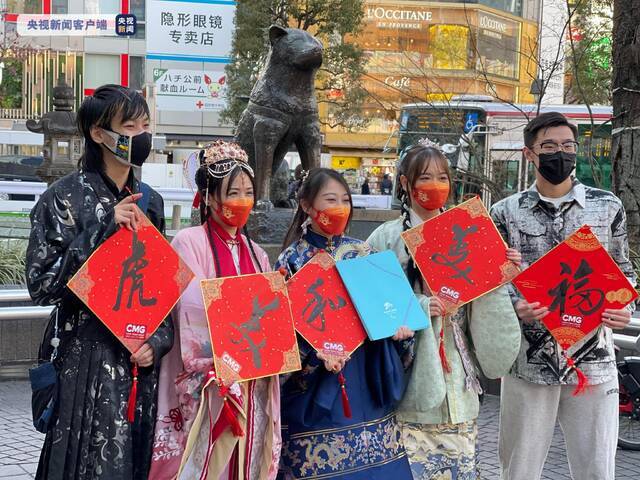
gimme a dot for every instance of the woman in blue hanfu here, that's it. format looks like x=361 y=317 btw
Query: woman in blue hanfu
x=320 y=438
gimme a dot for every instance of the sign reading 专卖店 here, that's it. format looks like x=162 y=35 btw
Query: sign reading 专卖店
x=196 y=31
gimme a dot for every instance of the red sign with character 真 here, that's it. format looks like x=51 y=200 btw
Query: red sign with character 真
x=131 y=282
x=322 y=309
x=577 y=281
x=460 y=254
x=251 y=328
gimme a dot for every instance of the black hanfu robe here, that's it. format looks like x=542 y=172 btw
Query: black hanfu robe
x=90 y=436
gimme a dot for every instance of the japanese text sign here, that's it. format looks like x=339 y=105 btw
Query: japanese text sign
x=67 y=25
x=322 y=310
x=460 y=254
x=190 y=90
x=197 y=30
x=131 y=282
x=251 y=327
x=577 y=281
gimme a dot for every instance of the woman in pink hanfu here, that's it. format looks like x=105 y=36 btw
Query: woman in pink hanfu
x=197 y=436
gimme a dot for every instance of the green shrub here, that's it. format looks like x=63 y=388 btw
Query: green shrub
x=12 y=262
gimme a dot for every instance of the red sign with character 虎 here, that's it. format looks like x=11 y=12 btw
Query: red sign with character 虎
x=131 y=282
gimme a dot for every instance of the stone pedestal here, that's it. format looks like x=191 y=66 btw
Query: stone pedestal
x=270 y=227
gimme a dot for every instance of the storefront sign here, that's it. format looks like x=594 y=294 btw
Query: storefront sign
x=345 y=163
x=398 y=82
x=195 y=31
x=76 y=25
x=398 y=18
x=190 y=90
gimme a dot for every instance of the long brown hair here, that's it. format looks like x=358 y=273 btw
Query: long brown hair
x=213 y=186
x=417 y=159
x=316 y=179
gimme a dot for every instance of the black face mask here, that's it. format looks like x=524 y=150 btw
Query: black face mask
x=132 y=150
x=555 y=168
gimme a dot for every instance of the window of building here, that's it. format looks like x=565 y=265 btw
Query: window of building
x=137 y=8
x=136 y=72
x=60 y=6
x=497 y=46
x=449 y=46
x=102 y=6
x=24 y=6
x=101 y=69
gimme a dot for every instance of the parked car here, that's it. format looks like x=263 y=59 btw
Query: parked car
x=19 y=168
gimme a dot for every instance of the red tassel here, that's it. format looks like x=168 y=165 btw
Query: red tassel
x=583 y=381
x=196 y=201
x=443 y=356
x=346 y=406
x=228 y=413
x=131 y=406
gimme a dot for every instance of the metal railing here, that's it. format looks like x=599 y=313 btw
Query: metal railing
x=627 y=342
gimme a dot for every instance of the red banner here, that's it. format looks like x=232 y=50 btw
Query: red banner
x=460 y=254
x=577 y=280
x=322 y=310
x=131 y=283
x=251 y=326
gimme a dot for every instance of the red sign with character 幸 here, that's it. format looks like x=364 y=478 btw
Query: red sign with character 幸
x=251 y=327
x=131 y=282
x=322 y=309
x=460 y=254
x=577 y=281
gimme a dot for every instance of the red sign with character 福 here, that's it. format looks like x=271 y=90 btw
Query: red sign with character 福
x=131 y=282
x=577 y=281
x=322 y=309
x=460 y=254
x=251 y=327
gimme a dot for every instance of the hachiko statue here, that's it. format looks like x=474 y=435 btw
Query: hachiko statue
x=282 y=108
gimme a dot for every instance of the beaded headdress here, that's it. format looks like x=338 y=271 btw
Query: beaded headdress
x=222 y=157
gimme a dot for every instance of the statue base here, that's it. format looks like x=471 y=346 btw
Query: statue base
x=270 y=227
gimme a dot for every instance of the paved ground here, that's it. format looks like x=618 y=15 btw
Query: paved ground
x=20 y=443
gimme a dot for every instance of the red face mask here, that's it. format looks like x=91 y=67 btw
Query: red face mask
x=235 y=212
x=333 y=221
x=431 y=195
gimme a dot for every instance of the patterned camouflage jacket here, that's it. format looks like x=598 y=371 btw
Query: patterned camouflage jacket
x=534 y=227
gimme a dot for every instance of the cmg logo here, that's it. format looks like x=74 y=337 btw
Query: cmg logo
x=450 y=292
x=572 y=319
x=231 y=363
x=333 y=347
x=136 y=329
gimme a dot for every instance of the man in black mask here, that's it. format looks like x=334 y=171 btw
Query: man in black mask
x=539 y=390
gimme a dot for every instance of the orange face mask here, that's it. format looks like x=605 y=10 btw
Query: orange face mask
x=431 y=195
x=333 y=221
x=235 y=212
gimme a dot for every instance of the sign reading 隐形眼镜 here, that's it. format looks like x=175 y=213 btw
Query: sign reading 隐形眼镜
x=196 y=31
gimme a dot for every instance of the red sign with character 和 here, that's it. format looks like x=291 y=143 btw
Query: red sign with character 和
x=322 y=310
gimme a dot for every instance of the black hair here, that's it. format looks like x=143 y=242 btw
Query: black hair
x=100 y=109
x=545 y=121
x=307 y=192
x=213 y=186
x=416 y=160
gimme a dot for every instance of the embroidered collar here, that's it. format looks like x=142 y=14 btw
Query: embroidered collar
x=322 y=242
